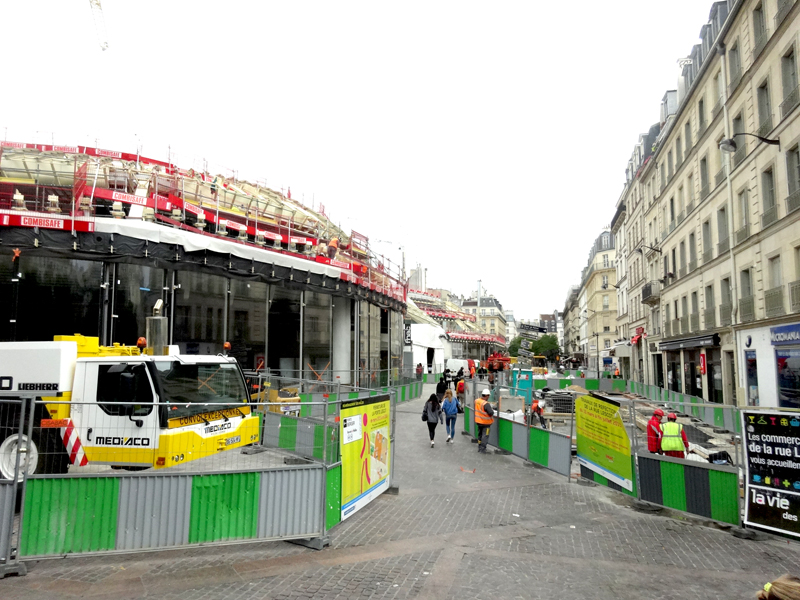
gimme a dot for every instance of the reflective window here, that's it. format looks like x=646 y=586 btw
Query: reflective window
x=788 y=362
x=199 y=313
x=136 y=290
x=751 y=375
x=247 y=323
x=317 y=336
x=284 y=332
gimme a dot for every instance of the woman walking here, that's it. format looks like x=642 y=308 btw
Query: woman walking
x=432 y=413
x=450 y=408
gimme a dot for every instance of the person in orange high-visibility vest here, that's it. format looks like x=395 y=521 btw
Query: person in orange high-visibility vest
x=483 y=418
x=333 y=247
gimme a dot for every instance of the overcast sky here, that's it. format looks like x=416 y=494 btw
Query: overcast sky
x=489 y=139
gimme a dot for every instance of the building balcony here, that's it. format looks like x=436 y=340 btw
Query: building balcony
x=725 y=310
x=791 y=100
x=667 y=329
x=742 y=233
x=793 y=201
x=769 y=216
x=684 y=324
x=716 y=109
x=676 y=327
x=704 y=191
x=736 y=78
x=784 y=6
x=710 y=317
x=719 y=177
x=689 y=207
x=773 y=302
x=765 y=126
x=694 y=321
x=759 y=41
x=723 y=246
x=651 y=293
x=682 y=272
x=671 y=227
x=692 y=265
x=681 y=217
x=708 y=256
x=747 y=309
x=794 y=296
x=738 y=156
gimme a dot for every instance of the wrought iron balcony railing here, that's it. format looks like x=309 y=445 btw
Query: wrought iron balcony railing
x=747 y=309
x=773 y=302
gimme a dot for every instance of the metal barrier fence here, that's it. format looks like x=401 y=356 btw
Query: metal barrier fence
x=357 y=379
x=113 y=476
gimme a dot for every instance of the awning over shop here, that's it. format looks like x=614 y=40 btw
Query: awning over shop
x=635 y=339
x=700 y=341
x=622 y=351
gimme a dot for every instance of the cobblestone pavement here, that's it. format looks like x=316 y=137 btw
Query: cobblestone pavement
x=464 y=525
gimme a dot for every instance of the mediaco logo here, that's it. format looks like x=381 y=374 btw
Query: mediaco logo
x=217 y=428
x=121 y=441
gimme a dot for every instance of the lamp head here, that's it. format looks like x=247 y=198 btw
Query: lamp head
x=727 y=145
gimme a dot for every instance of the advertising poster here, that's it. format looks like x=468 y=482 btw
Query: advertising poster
x=364 y=434
x=772 y=459
x=603 y=443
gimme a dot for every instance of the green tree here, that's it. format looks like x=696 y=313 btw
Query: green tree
x=547 y=345
x=513 y=347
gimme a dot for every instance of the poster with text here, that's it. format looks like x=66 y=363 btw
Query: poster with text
x=364 y=434
x=772 y=461
x=603 y=443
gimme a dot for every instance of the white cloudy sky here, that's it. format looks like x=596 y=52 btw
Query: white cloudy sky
x=488 y=138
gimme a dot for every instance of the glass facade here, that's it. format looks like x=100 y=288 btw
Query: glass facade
x=396 y=346
x=247 y=323
x=751 y=374
x=51 y=296
x=200 y=307
x=284 y=332
x=674 y=371
x=788 y=360
x=135 y=290
x=317 y=324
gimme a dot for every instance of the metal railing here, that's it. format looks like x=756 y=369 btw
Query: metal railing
x=784 y=6
x=742 y=233
x=794 y=296
x=736 y=78
x=651 y=292
x=793 y=201
x=791 y=100
x=719 y=177
x=692 y=265
x=769 y=216
x=682 y=272
x=676 y=326
x=671 y=227
x=704 y=191
x=766 y=126
x=708 y=256
x=738 y=156
x=685 y=324
x=723 y=246
x=667 y=329
x=717 y=108
x=681 y=217
x=725 y=311
x=689 y=207
x=773 y=302
x=759 y=41
x=695 y=321
x=747 y=309
x=710 y=317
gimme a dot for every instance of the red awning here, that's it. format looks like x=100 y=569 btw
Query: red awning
x=635 y=339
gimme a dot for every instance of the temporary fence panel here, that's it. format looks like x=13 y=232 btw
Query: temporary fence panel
x=72 y=515
x=333 y=496
x=702 y=489
x=7 y=501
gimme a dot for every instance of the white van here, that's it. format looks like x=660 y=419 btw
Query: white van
x=454 y=364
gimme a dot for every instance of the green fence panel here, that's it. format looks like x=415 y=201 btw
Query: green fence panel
x=563 y=383
x=673 y=486
x=538 y=384
x=403 y=392
x=591 y=384
x=539 y=446
x=719 y=418
x=600 y=479
x=319 y=441
x=618 y=385
x=224 y=507
x=333 y=497
x=467 y=410
x=68 y=515
x=724 y=488
x=287 y=436
x=305 y=409
x=505 y=435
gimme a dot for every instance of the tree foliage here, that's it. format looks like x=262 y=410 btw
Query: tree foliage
x=547 y=345
x=513 y=347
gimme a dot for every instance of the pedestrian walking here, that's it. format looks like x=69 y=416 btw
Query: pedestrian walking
x=440 y=389
x=432 y=413
x=472 y=372
x=673 y=438
x=460 y=374
x=483 y=418
x=654 y=431
x=419 y=370
x=785 y=587
x=448 y=377
x=450 y=408
x=461 y=388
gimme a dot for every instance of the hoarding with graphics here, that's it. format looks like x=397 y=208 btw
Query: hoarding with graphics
x=364 y=434
x=772 y=459
x=603 y=443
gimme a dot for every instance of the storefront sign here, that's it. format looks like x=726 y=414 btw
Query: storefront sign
x=772 y=461
x=785 y=334
x=603 y=443
x=407 y=335
x=702 y=363
x=639 y=330
x=364 y=435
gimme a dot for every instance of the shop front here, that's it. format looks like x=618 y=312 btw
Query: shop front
x=770 y=359
x=694 y=366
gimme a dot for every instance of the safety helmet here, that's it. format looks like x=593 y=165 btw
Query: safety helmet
x=672 y=416
x=485 y=393
x=658 y=412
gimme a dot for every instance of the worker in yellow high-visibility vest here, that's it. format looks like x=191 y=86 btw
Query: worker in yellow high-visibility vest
x=673 y=439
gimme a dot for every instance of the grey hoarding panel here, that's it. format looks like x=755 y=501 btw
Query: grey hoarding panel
x=153 y=511
x=650 y=479
x=519 y=440
x=290 y=503
x=493 y=437
x=559 y=453
x=272 y=432
x=7 y=501
x=605 y=385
